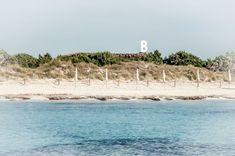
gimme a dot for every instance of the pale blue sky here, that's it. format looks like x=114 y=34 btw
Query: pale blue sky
x=203 y=27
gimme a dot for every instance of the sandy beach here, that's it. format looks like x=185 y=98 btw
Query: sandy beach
x=102 y=90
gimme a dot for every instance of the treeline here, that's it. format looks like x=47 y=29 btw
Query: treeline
x=220 y=63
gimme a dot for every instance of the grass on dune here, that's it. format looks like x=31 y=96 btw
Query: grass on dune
x=124 y=71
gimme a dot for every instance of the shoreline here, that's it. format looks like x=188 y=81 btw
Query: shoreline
x=67 y=97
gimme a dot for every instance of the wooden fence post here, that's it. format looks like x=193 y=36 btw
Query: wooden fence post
x=76 y=76
x=137 y=76
x=229 y=77
x=88 y=77
x=118 y=82
x=106 y=76
x=174 y=83
x=118 y=79
x=58 y=82
x=164 y=76
x=198 y=78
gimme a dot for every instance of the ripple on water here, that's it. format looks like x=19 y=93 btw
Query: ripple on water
x=147 y=146
x=164 y=128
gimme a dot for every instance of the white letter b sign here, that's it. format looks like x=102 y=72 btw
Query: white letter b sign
x=144 y=46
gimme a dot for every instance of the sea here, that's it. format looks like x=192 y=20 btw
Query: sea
x=119 y=128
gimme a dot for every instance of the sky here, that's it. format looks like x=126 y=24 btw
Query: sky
x=203 y=27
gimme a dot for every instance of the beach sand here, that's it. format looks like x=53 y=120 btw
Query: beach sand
x=102 y=90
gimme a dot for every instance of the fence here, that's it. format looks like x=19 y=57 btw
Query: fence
x=139 y=84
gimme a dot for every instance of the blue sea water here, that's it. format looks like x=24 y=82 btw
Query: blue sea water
x=184 y=128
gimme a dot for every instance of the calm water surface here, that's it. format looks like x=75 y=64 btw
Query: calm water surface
x=117 y=128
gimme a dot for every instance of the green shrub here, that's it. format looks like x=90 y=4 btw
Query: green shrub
x=184 y=58
x=44 y=59
x=153 y=57
x=25 y=60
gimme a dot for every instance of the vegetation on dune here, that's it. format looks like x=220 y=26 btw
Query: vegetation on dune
x=57 y=69
x=28 y=61
x=99 y=58
x=107 y=58
x=155 y=57
x=184 y=58
x=44 y=59
x=221 y=63
x=25 y=60
x=4 y=57
x=179 y=65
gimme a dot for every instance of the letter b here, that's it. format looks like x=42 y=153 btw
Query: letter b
x=144 y=46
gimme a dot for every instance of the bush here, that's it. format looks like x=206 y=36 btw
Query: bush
x=107 y=58
x=4 y=58
x=104 y=58
x=220 y=63
x=44 y=59
x=184 y=58
x=99 y=58
x=25 y=60
x=153 y=57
